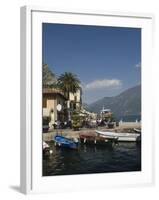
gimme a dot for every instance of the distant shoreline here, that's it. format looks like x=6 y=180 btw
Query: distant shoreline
x=129 y=118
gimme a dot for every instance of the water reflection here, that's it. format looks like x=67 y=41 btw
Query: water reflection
x=93 y=159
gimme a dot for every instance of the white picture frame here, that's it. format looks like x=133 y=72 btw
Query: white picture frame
x=31 y=90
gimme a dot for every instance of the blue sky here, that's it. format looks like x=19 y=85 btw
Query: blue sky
x=107 y=60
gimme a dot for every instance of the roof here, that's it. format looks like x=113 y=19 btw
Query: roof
x=53 y=91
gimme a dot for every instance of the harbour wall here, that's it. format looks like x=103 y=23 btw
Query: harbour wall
x=123 y=127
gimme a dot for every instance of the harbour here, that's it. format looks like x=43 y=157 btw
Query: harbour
x=91 y=157
x=69 y=133
x=91 y=107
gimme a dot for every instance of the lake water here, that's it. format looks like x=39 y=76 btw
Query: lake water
x=93 y=159
x=129 y=118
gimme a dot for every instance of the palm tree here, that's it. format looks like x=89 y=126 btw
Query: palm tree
x=68 y=82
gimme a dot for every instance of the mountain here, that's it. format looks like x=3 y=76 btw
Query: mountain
x=48 y=76
x=128 y=103
x=86 y=106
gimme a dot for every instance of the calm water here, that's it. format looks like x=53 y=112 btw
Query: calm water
x=129 y=118
x=93 y=159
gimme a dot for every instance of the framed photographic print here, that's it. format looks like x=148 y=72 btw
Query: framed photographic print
x=86 y=100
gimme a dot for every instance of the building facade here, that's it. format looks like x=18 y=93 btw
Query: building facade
x=75 y=100
x=53 y=97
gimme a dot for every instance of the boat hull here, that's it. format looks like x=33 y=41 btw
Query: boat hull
x=61 y=141
x=121 y=137
x=46 y=149
x=93 y=139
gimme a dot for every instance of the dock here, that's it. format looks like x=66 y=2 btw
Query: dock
x=69 y=133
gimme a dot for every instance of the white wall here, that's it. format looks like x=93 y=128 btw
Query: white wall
x=9 y=88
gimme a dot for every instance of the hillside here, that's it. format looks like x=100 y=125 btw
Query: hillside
x=125 y=104
x=48 y=76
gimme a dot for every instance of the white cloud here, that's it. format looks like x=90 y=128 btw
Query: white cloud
x=138 y=65
x=103 y=84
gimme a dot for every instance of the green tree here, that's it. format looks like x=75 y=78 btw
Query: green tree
x=76 y=121
x=68 y=82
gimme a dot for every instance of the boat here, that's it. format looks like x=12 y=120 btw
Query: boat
x=137 y=130
x=46 y=149
x=121 y=137
x=62 y=141
x=92 y=138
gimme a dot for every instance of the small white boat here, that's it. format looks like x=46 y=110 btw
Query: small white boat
x=137 y=130
x=46 y=149
x=121 y=137
x=45 y=145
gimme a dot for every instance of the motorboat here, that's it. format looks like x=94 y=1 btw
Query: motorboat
x=46 y=149
x=92 y=138
x=121 y=137
x=62 y=141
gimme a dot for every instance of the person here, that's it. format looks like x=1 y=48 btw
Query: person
x=55 y=124
x=69 y=124
x=65 y=124
x=58 y=124
x=52 y=117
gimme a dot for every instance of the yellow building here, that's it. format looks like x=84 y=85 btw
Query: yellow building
x=75 y=100
x=51 y=99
